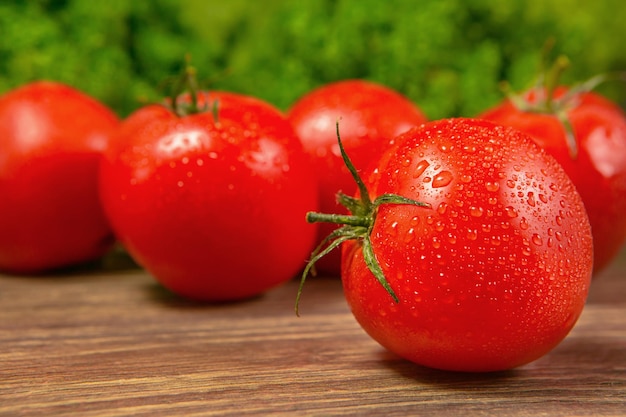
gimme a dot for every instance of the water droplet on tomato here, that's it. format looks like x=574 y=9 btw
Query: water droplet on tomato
x=476 y=211
x=446 y=147
x=442 y=179
x=466 y=178
x=537 y=240
x=420 y=168
x=410 y=235
x=510 y=212
x=472 y=234
x=531 y=199
x=543 y=198
x=441 y=209
x=523 y=224
x=492 y=186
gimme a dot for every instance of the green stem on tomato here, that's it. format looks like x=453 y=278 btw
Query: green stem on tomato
x=356 y=226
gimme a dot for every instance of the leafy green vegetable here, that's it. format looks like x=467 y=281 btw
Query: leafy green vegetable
x=448 y=56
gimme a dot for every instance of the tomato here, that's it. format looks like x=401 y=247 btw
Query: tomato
x=212 y=205
x=371 y=114
x=51 y=140
x=481 y=244
x=598 y=167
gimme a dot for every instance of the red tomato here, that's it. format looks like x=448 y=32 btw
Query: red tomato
x=599 y=167
x=213 y=209
x=51 y=137
x=371 y=115
x=492 y=274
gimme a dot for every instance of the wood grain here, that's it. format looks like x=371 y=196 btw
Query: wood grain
x=103 y=342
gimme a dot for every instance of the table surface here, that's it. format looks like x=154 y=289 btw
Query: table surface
x=109 y=341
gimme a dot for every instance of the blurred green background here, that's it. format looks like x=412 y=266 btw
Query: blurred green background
x=448 y=56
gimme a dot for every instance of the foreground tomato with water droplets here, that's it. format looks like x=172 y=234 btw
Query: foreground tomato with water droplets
x=211 y=203
x=598 y=169
x=494 y=273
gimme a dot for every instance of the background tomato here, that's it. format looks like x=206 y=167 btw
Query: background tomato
x=598 y=169
x=214 y=210
x=495 y=273
x=370 y=115
x=51 y=139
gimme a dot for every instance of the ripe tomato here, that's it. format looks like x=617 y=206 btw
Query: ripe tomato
x=51 y=140
x=212 y=208
x=598 y=168
x=492 y=274
x=371 y=115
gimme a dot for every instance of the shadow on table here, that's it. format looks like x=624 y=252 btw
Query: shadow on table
x=592 y=359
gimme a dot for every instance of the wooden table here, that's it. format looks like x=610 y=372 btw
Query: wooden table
x=110 y=342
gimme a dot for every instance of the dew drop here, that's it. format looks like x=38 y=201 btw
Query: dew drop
x=543 y=198
x=531 y=199
x=446 y=147
x=420 y=168
x=466 y=178
x=442 y=179
x=523 y=224
x=492 y=186
x=537 y=240
x=472 y=234
x=441 y=209
x=213 y=155
x=476 y=211
x=510 y=212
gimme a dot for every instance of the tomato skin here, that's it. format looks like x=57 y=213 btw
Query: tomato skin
x=214 y=211
x=369 y=115
x=494 y=274
x=52 y=137
x=599 y=169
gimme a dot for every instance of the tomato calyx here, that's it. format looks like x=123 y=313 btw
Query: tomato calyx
x=541 y=97
x=357 y=226
x=186 y=97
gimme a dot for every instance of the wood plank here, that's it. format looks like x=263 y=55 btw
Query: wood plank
x=102 y=342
